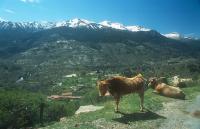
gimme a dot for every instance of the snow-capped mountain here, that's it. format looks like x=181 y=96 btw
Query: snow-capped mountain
x=79 y=23
x=28 y=26
x=74 y=23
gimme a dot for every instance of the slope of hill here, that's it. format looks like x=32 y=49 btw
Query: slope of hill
x=44 y=52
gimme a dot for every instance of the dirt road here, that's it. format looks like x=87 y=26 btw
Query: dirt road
x=181 y=114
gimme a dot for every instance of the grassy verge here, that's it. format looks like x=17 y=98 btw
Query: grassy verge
x=130 y=116
x=192 y=90
x=129 y=107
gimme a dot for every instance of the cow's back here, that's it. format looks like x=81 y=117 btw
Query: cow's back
x=123 y=85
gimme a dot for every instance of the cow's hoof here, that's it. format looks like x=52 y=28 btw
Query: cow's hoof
x=141 y=110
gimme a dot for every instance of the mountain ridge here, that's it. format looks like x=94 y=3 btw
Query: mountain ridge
x=68 y=23
x=76 y=23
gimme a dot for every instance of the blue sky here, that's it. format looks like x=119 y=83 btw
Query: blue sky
x=166 y=16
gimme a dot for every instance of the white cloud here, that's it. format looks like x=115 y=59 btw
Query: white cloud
x=9 y=11
x=30 y=1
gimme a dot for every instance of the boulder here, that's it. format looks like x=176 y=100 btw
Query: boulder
x=88 y=108
x=179 y=82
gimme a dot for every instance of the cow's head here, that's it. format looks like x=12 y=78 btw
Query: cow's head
x=152 y=82
x=103 y=88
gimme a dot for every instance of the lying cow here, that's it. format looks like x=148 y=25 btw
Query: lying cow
x=166 y=90
x=119 y=86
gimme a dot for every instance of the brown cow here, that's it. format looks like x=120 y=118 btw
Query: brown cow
x=166 y=90
x=119 y=86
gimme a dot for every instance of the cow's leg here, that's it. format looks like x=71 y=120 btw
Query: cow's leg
x=117 y=99
x=141 y=101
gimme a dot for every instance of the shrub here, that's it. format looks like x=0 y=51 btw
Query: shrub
x=19 y=108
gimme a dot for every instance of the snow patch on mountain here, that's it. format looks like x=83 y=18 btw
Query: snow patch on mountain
x=74 y=23
x=137 y=28
x=47 y=25
x=120 y=26
x=61 y=23
x=113 y=25
x=32 y=26
x=78 y=23
x=173 y=35
x=177 y=36
x=1 y=19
